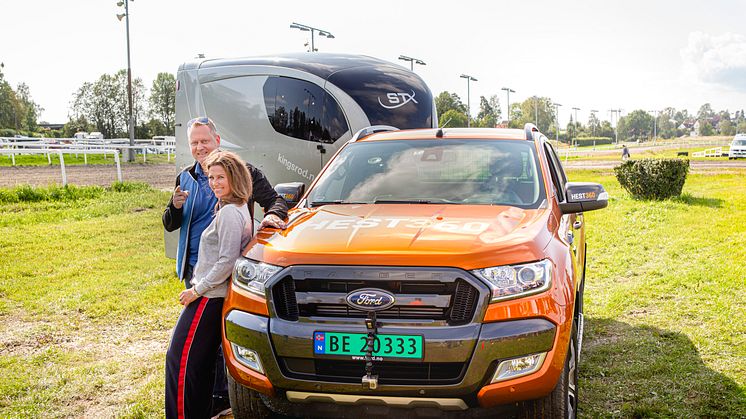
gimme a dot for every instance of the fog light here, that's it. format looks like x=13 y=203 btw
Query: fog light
x=248 y=357
x=518 y=367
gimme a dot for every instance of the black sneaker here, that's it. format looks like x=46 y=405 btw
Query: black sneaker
x=221 y=406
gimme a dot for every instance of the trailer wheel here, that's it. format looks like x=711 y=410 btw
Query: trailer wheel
x=562 y=402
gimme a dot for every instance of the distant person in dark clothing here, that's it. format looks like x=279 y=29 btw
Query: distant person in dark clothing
x=625 y=152
x=192 y=209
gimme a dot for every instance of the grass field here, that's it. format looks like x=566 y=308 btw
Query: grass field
x=87 y=301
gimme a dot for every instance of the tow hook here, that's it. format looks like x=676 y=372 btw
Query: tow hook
x=370 y=380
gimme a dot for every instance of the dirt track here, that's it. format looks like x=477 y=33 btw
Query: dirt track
x=157 y=175
x=162 y=175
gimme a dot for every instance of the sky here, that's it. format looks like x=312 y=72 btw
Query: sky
x=587 y=54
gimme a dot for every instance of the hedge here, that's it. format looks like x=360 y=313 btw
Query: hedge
x=653 y=178
x=589 y=141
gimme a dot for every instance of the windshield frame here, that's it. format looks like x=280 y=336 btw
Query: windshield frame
x=537 y=167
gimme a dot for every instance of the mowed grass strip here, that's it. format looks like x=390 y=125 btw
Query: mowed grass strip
x=87 y=299
x=665 y=297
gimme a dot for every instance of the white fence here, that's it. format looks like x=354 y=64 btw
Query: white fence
x=710 y=152
x=87 y=146
x=61 y=146
x=61 y=152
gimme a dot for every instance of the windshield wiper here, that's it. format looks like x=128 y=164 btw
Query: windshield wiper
x=404 y=201
x=334 y=202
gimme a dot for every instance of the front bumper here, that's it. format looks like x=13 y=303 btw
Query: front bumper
x=478 y=346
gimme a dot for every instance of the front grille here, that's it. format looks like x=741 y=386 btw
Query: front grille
x=451 y=301
x=401 y=373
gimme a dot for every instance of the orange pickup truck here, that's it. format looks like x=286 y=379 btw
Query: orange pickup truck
x=425 y=273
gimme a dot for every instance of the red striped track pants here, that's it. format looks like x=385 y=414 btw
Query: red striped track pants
x=190 y=360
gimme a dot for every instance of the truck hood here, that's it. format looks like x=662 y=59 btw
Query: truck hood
x=465 y=236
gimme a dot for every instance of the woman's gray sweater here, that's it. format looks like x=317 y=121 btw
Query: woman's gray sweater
x=219 y=248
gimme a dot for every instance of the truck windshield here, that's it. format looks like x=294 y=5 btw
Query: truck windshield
x=474 y=172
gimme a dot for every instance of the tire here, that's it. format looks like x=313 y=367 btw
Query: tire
x=562 y=402
x=246 y=403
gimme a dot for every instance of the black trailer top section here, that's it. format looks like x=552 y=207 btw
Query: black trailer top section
x=319 y=64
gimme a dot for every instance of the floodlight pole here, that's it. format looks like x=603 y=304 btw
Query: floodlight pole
x=412 y=61
x=129 y=85
x=508 y=90
x=576 y=121
x=556 y=107
x=311 y=29
x=469 y=79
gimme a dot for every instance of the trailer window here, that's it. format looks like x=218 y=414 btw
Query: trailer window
x=303 y=110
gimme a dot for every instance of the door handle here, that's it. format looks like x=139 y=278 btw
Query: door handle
x=577 y=224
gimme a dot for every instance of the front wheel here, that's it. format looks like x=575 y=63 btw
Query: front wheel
x=562 y=402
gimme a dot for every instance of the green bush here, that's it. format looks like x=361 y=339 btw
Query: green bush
x=129 y=187
x=653 y=178
x=7 y=132
x=589 y=141
x=27 y=193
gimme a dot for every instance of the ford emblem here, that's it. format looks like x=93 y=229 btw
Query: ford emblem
x=370 y=299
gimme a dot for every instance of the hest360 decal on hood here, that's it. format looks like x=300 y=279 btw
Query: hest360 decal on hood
x=393 y=230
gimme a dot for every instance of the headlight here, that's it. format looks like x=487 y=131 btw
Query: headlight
x=252 y=276
x=514 y=281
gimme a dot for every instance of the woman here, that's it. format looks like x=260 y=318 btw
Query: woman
x=190 y=361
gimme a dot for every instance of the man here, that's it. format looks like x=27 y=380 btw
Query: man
x=191 y=209
x=625 y=152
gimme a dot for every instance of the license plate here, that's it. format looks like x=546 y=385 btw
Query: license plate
x=353 y=345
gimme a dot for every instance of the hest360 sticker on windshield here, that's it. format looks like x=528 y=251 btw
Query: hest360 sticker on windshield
x=456 y=226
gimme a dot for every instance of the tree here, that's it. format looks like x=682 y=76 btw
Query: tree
x=447 y=101
x=489 y=112
x=532 y=109
x=453 y=118
x=705 y=112
x=705 y=128
x=29 y=110
x=727 y=128
x=163 y=103
x=637 y=125
x=593 y=124
x=104 y=104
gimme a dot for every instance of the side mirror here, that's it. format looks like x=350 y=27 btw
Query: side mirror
x=584 y=196
x=291 y=192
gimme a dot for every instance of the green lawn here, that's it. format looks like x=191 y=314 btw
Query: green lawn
x=665 y=302
x=87 y=301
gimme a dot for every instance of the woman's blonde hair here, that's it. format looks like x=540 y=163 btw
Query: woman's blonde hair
x=238 y=174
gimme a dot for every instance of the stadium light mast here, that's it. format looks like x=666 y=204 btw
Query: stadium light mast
x=306 y=28
x=412 y=61
x=469 y=79
x=130 y=121
x=508 y=90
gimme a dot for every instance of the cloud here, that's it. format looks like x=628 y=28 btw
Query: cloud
x=716 y=59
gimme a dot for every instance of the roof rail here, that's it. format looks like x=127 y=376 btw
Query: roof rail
x=530 y=130
x=371 y=130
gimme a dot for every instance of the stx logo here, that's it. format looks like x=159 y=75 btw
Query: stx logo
x=397 y=100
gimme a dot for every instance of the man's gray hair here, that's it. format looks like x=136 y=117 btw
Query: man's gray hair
x=202 y=121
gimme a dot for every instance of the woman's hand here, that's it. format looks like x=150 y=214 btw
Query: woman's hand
x=187 y=296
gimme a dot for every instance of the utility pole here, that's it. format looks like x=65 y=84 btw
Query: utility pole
x=131 y=121
x=469 y=79
x=593 y=112
x=508 y=90
x=412 y=61
x=576 y=121
x=556 y=115
x=655 y=125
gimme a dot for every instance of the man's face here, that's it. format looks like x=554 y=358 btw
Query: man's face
x=201 y=143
